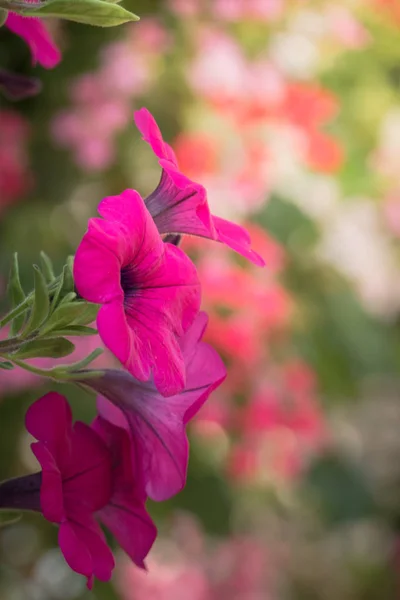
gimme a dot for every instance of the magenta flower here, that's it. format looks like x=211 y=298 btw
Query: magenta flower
x=76 y=482
x=149 y=290
x=179 y=205
x=156 y=425
x=34 y=33
x=87 y=472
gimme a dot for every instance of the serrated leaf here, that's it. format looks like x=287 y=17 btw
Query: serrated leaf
x=70 y=314
x=45 y=348
x=9 y=517
x=41 y=303
x=47 y=267
x=6 y=365
x=90 y=12
x=16 y=295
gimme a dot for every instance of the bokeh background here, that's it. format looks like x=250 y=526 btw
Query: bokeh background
x=288 y=111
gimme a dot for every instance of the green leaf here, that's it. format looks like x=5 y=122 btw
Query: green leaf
x=71 y=314
x=65 y=287
x=45 y=348
x=47 y=267
x=9 y=517
x=41 y=303
x=90 y=12
x=73 y=330
x=16 y=295
x=6 y=365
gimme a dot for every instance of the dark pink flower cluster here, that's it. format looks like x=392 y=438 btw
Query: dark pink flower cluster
x=148 y=288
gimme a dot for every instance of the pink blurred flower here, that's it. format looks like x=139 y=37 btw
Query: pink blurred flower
x=34 y=33
x=15 y=178
x=157 y=424
x=149 y=290
x=237 y=10
x=178 y=205
x=346 y=28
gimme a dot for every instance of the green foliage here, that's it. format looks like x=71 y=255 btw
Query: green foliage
x=89 y=12
x=16 y=295
x=51 y=348
x=339 y=491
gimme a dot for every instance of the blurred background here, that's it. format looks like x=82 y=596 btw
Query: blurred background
x=288 y=112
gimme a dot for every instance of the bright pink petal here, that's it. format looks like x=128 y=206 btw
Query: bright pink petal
x=151 y=133
x=49 y=420
x=98 y=260
x=51 y=491
x=35 y=34
x=237 y=238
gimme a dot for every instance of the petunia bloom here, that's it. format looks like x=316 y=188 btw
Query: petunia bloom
x=157 y=425
x=179 y=205
x=149 y=290
x=34 y=33
x=86 y=473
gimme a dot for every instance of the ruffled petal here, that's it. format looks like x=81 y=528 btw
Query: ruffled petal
x=104 y=249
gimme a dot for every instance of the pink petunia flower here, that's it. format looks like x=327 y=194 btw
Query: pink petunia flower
x=179 y=205
x=157 y=424
x=149 y=290
x=86 y=473
x=34 y=33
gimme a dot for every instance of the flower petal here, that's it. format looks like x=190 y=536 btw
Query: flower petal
x=105 y=247
x=87 y=480
x=49 y=420
x=151 y=133
x=34 y=33
x=177 y=209
x=129 y=522
x=238 y=239
x=51 y=491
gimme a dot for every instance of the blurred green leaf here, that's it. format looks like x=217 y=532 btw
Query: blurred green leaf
x=6 y=365
x=9 y=517
x=74 y=330
x=339 y=490
x=41 y=303
x=47 y=267
x=16 y=295
x=90 y=12
x=51 y=348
